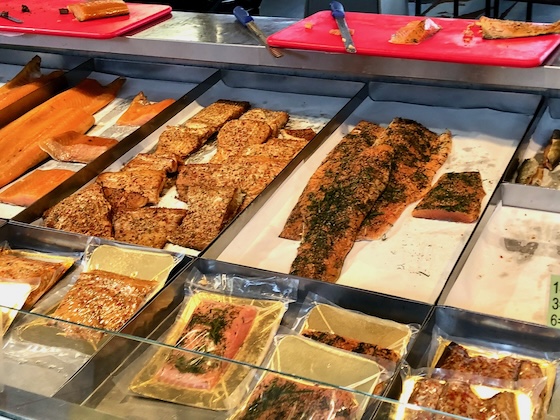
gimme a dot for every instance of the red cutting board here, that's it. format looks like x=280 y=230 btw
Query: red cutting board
x=45 y=19
x=373 y=31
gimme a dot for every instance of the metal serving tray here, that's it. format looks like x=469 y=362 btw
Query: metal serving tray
x=416 y=256
x=113 y=392
x=45 y=376
x=156 y=81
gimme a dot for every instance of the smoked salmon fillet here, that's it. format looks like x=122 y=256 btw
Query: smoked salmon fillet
x=275 y=119
x=235 y=135
x=98 y=9
x=26 y=191
x=419 y=154
x=72 y=109
x=216 y=328
x=503 y=29
x=414 y=32
x=333 y=167
x=72 y=146
x=132 y=189
x=25 y=88
x=333 y=219
x=456 y=197
x=141 y=110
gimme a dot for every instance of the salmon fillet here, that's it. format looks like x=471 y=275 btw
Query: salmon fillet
x=86 y=212
x=72 y=146
x=132 y=189
x=209 y=211
x=426 y=393
x=102 y=300
x=415 y=32
x=181 y=141
x=419 y=153
x=280 y=397
x=235 y=135
x=147 y=226
x=38 y=183
x=333 y=219
x=220 y=112
x=503 y=29
x=98 y=9
x=141 y=110
x=70 y=110
x=300 y=133
x=275 y=119
x=153 y=162
x=216 y=328
x=26 y=84
x=43 y=274
x=456 y=197
x=275 y=149
x=337 y=163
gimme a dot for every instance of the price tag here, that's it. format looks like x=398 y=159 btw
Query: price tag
x=554 y=302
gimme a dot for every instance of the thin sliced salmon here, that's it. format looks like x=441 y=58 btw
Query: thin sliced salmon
x=38 y=183
x=72 y=146
x=69 y=110
x=503 y=29
x=419 y=153
x=98 y=9
x=141 y=110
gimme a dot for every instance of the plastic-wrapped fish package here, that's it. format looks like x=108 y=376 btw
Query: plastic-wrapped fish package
x=223 y=318
x=305 y=380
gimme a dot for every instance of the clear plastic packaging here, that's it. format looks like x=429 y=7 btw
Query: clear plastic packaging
x=229 y=317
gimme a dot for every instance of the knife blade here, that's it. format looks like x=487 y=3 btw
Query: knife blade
x=247 y=20
x=337 y=11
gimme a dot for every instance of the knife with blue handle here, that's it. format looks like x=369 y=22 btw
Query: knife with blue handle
x=247 y=20
x=337 y=11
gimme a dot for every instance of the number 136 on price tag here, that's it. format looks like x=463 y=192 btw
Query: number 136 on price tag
x=554 y=302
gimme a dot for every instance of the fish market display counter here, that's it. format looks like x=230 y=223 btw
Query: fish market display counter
x=408 y=310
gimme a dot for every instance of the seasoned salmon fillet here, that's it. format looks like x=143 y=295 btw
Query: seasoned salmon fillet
x=337 y=163
x=503 y=29
x=216 y=328
x=72 y=146
x=280 y=397
x=235 y=135
x=297 y=133
x=141 y=110
x=275 y=149
x=86 y=212
x=220 y=112
x=44 y=274
x=26 y=191
x=182 y=140
x=415 y=31
x=98 y=9
x=152 y=161
x=148 y=226
x=456 y=197
x=426 y=393
x=419 y=153
x=209 y=211
x=275 y=119
x=333 y=219
x=132 y=189
x=102 y=300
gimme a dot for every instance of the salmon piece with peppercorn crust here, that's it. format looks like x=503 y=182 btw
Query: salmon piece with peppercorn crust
x=419 y=153
x=216 y=328
x=236 y=135
x=275 y=119
x=333 y=221
x=456 y=197
x=217 y=114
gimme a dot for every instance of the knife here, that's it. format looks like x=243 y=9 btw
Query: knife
x=247 y=20
x=337 y=11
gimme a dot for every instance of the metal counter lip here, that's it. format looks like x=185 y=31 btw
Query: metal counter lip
x=221 y=42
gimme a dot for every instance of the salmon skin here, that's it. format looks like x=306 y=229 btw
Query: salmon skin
x=415 y=32
x=70 y=110
x=27 y=83
x=420 y=154
x=72 y=146
x=98 y=9
x=504 y=29
x=332 y=222
x=141 y=110
x=26 y=191
x=216 y=328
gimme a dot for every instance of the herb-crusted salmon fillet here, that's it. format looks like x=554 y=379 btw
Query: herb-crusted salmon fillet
x=419 y=154
x=456 y=197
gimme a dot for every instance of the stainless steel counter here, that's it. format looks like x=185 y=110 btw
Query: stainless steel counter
x=219 y=41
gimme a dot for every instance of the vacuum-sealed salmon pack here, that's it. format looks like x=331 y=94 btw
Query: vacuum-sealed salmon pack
x=224 y=318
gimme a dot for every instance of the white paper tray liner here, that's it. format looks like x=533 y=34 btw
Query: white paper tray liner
x=418 y=255
x=508 y=283
x=155 y=90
